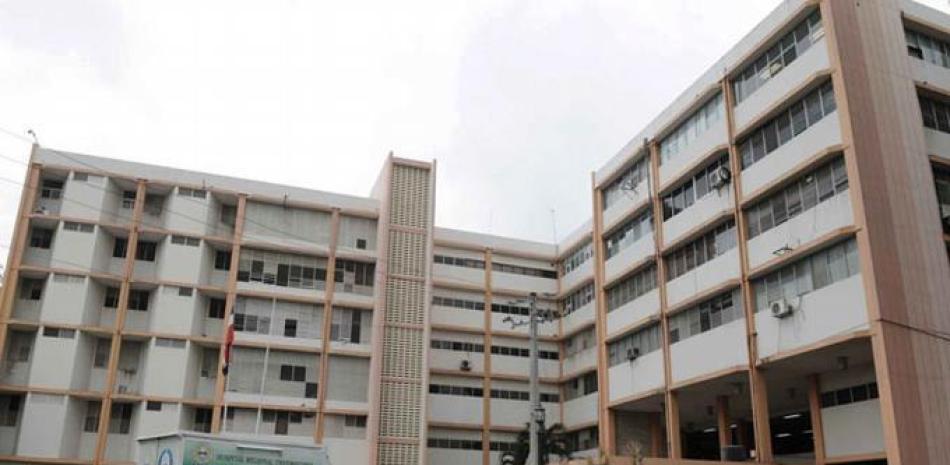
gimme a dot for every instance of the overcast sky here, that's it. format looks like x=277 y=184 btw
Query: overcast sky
x=517 y=100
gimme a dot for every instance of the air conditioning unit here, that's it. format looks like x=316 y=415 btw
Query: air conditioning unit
x=123 y=389
x=633 y=353
x=465 y=365
x=781 y=308
x=41 y=210
x=720 y=177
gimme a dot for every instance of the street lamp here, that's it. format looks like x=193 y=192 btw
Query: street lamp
x=535 y=317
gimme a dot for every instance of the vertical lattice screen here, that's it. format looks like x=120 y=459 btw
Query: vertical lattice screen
x=402 y=391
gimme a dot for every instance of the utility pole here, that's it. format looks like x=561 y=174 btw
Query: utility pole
x=536 y=426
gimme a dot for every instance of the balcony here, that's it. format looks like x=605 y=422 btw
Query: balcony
x=812 y=224
x=634 y=253
x=579 y=361
x=580 y=317
x=709 y=206
x=797 y=74
x=455 y=409
x=715 y=136
x=837 y=309
x=702 y=278
x=706 y=353
x=629 y=379
x=633 y=312
x=578 y=275
x=581 y=410
x=824 y=134
x=625 y=203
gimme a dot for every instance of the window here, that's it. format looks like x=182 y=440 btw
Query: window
x=9 y=410
x=188 y=192
x=111 y=298
x=468 y=347
x=31 y=289
x=216 y=308
x=185 y=291
x=52 y=189
x=62 y=333
x=354 y=421
x=286 y=270
x=228 y=215
x=808 y=274
x=927 y=48
x=705 y=248
x=942 y=181
x=290 y=328
x=693 y=189
x=631 y=287
x=706 y=316
x=524 y=352
x=145 y=251
x=90 y=423
x=803 y=114
x=688 y=131
x=293 y=373
x=78 y=227
x=801 y=195
x=121 y=420
x=577 y=299
x=458 y=303
x=153 y=406
x=202 y=420
x=778 y=56
x=100 y=357
x=630 y=232
x=41 y=238
x=138 y=300
x=849 y=395
x=935 y=113
x=128 y=200
x=352 y=273
x=638 y=172
x=345 y=325
x=361 y=244
x=184 y=240
x=120 y=247
x=640 y=342
x=222 y=260
x=578 y=257
x=169 y=342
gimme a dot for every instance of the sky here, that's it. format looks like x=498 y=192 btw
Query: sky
x=517 y=100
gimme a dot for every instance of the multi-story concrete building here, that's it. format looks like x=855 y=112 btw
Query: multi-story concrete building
x=766 y=266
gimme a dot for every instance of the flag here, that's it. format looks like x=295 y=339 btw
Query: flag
x=228 y=341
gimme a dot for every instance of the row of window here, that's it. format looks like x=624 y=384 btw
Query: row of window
x=778 y=56
x=801 y=195
x=578 y=257
x=927 y=48
x=693 y=189
x=458 y=261
x=849 y=395
x=694 y=254
x=706 y=316
x=507 y=394
x=469 y=444
x=497 y=350
x=635 y=344
x=638 y=172
x=578 y=299
x=523 y=270
x=458 y=303
x=279 y=269
x=628 y=233
x=120 y=421
x=942 y=181
x=137 y=300
x=808 y=274
x=791 y=122
x=688 y=131
x=631 y=287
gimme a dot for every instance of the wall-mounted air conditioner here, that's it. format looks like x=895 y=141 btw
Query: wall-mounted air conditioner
x=781 y=308
x=720 y=177
x=633 y=353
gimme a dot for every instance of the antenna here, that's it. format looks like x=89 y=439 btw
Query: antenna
x=32 y=133
x=554 y=229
